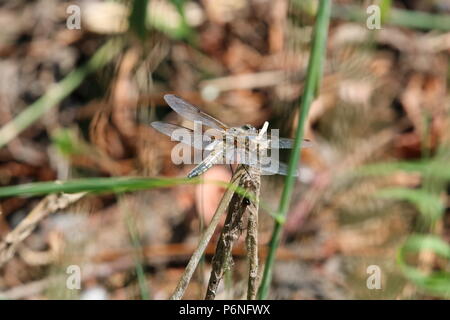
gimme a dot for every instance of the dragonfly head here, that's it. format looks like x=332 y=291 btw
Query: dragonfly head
x=253 y=131
x=249 y=128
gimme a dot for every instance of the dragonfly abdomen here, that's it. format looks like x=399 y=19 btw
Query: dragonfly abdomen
x=209 y=161
x=200 y=169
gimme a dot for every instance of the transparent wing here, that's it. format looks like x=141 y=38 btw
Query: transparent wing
x=188 y=111
x=286 y=143
x=273 y=167
x=181 y=134
x=276 y=167
x=267 y=165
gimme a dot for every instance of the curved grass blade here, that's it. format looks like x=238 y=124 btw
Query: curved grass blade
x=437 y=282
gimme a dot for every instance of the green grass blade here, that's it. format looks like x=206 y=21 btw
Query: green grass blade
x=385 y=8
x=138 y=18
x=95 y=185
x=428 y=204
x=314 y=66
x=118 y=185
x=437 y=282
x=177 y=27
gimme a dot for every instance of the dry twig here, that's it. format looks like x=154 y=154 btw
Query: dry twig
x=48 y=205
x=253 y=184
x=234 y=225
x=196 y=256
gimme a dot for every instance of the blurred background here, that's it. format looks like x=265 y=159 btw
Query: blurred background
x=80 y=82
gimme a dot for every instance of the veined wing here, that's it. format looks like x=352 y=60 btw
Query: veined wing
x=267 y=165
x=274 y=167
x=282 y=143
x=277 y=167
x=184 y=135
x=188 y=111
x=286 y=143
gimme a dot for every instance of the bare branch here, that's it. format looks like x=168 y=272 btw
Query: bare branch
x=48 y=205
x=196 y=256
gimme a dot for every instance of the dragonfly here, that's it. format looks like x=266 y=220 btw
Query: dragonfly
x=241 y=145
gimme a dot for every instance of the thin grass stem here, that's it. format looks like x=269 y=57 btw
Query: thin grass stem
x=314 y=66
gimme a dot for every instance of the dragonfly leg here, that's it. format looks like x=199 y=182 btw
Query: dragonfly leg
x=231 y=168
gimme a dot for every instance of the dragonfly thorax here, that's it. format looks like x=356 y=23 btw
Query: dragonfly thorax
x=248 y=127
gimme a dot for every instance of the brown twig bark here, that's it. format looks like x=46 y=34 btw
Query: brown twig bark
x=203 y=243
x=254 y=185
x=48 y=205
x=234 y=225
